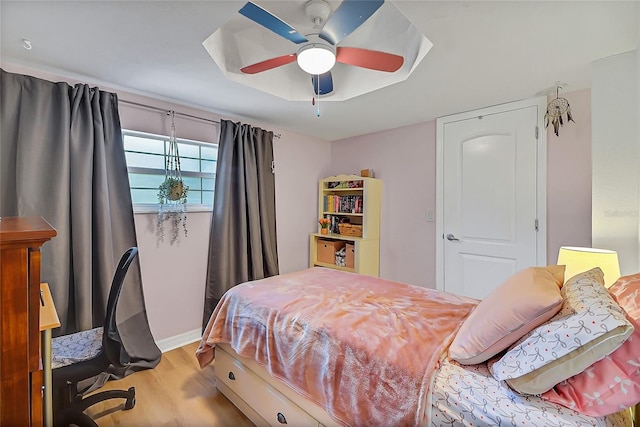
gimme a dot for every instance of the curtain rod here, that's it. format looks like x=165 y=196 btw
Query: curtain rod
x=162 y=110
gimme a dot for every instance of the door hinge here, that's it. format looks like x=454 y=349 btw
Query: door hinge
x=537 y=131
x=536 y=225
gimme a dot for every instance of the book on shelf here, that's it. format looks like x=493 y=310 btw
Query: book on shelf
x=342 y=204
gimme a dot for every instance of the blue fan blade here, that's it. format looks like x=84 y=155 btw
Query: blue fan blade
x=326 y=83
x=347 y=17
x=271 y=22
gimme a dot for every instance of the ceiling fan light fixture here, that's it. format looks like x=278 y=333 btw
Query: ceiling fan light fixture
x=316 y=58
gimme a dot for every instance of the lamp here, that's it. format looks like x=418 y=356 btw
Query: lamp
x=316 y=58
x=578 y=260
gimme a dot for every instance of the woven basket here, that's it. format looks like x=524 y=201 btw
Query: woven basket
x=350 y=230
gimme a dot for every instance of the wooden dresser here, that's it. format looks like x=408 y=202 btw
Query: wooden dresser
x=20 y=368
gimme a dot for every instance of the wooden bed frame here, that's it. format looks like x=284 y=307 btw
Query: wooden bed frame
x=255 y=392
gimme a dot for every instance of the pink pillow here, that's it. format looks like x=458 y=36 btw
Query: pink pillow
x=613 y=383
x=526 y=300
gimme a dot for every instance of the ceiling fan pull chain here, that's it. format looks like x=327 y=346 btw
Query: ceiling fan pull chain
x=318 y=92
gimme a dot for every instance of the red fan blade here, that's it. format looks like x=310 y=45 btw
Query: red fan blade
x=269 y=64
x=372 y=59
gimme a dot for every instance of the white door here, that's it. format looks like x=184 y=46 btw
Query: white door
x=490 y=222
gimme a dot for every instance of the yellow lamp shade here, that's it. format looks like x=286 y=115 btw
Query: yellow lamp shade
x=579 y=260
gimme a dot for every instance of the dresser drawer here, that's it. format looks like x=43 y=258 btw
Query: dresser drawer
x=269 y=403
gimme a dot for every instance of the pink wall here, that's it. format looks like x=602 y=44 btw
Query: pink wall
x=173 y=277
x=404 y=159
x=569 y=179
x=301 y=161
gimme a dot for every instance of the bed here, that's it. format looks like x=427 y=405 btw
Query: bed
x=321 y=347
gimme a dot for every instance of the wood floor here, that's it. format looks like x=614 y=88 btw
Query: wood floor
x=176 y=393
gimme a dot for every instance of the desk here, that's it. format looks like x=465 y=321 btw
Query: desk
x=48 y=320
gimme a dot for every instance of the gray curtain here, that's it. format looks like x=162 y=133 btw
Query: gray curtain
x=62 y=158
x=242 y=245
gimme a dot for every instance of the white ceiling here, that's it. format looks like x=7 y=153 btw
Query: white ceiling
x=484 y=53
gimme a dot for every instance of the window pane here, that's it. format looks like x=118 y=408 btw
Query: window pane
x=145 y=160
x=209 y=152
x=149 y=153
x=208 y=184
x=194 y=197
x=209 y=166
x=207 y=198
x=190 y=165
x=147 y=145
x=194 y=184
x=144 y=196
x=138 y=180
x=188 y=150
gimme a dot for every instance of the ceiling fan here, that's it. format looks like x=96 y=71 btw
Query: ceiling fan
x=318 y=52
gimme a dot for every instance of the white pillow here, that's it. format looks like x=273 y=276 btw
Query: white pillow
x=589 y=326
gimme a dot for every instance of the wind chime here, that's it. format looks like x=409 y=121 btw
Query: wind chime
x=555 y=109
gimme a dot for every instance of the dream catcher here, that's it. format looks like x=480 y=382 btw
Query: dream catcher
x=555 y=109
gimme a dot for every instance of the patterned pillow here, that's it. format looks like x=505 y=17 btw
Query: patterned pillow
x=589 y=326
x=612 y=383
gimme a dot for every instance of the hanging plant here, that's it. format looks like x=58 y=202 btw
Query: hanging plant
x=172 y=193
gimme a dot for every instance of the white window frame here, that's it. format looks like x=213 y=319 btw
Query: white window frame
x=153 y=207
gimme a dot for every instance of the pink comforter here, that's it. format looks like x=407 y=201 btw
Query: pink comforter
x=364 y=348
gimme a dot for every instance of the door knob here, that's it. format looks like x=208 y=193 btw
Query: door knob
x=452 y=238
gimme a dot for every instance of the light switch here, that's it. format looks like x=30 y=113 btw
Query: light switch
x=430 y=215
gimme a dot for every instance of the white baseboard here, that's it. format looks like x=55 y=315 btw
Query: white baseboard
x=171 y=343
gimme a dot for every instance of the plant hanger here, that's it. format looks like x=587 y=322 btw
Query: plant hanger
x=172 y=167
x=555 y=109
x=172 y=192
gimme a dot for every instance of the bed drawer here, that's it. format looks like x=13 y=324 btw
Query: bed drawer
x=270 y=404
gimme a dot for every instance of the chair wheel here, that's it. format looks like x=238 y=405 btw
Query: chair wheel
x=131 y=400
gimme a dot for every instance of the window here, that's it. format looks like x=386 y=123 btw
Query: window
x=145 y=155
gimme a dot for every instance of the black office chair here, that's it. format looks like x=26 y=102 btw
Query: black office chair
x=85 y=354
